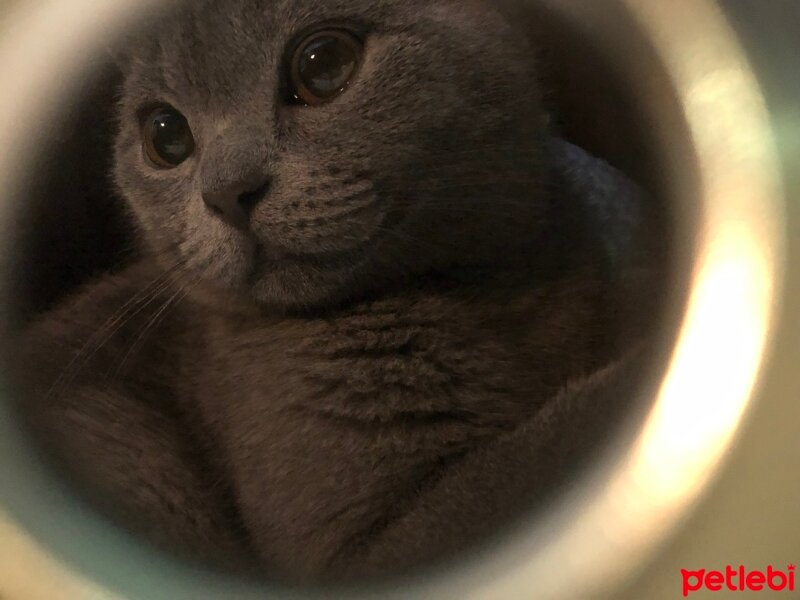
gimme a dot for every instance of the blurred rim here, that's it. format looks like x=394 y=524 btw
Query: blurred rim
x=613 y=521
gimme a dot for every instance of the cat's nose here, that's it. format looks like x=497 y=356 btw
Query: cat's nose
x=234 y=201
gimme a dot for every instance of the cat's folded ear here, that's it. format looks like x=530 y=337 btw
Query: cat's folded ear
x=131 y=46
x=120 y=55
x=522 y=15
x=535 y=21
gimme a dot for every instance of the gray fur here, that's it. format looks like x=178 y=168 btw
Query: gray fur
x=388 y=360
x=363 y=188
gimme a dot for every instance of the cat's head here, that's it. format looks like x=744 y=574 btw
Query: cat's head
x=303 y=151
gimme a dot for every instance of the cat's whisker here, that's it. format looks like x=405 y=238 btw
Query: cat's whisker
x=109 y=329
x=471 y=208
x=492 y=159
x=484 y=191
x=152 y=323
x=403 y=236
x=343 y=215
x=425 y=183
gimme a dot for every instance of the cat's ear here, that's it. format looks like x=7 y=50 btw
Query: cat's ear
x=126 y=49
x=521 y=15
x=120 y=56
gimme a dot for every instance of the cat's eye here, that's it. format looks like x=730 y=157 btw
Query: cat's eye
x=323 y=65
x=168 y=139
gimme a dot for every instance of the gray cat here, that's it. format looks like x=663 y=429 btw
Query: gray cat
x=382 y=310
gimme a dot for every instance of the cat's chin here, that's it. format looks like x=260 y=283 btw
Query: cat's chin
x=275 y=280
x=301 y=282
x=297 y=287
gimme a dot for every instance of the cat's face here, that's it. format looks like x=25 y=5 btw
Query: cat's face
x=303 y=151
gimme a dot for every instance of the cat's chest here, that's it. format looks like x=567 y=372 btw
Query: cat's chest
x=329 y=424
x=415 y=372
x=383 y=362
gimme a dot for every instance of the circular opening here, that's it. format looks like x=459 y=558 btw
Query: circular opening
x=655 y=124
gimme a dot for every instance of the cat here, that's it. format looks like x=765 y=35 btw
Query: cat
x=382 y=310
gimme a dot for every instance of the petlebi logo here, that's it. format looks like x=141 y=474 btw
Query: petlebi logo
x=739 y=579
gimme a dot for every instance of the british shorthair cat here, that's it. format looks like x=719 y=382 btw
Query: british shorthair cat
x=382 y=312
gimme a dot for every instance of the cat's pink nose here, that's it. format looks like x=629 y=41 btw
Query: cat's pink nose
x=233 y=202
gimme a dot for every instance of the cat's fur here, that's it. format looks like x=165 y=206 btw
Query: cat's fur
x=410 y=341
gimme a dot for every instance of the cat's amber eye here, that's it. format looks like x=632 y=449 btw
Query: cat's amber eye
x=168 y=139
x=323 y=65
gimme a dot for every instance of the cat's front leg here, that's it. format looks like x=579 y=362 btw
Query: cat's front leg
x=481 y=493
x=96 y=378
x=137 y=464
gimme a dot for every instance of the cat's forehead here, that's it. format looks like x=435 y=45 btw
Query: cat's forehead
x=230 y=24
x=211 y=55
x=225 y=43
x=270 y=17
